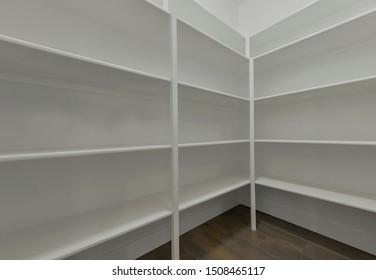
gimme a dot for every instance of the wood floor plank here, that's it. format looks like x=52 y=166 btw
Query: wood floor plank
x=229 y=237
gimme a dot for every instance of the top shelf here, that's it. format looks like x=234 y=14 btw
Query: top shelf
x=322 y=44
x=310 y=21
x=130 y=35
x=189 y=11
x=201 y=47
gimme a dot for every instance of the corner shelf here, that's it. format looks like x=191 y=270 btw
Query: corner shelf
x=348 y=198
x=199 y=192
x=64 y=237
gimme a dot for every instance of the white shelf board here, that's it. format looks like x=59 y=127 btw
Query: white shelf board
x=321 y=44
x=195 y=93
x=350 y=87
x=214 y=143
x=348 y=198
x=316 y=142
x=198 y=46
x=309 y=21
x=64 y=237
x=199 y=192
x=36 y=60
x=85 y=151
x=196 y=15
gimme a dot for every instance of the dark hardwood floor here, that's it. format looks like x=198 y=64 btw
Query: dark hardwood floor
x=229 y=237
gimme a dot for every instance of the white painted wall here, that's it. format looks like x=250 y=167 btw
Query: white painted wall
x=226 y=10
x=256 y=15
x=251 y=16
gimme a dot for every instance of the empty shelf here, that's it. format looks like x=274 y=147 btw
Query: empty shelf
x=199 y=192
x=64 y=237
x=348 y=198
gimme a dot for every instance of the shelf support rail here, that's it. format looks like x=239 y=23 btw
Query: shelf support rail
x=252 y=140
x=175 y=138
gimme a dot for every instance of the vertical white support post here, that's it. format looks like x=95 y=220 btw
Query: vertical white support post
x=165 y=5
x=175 y=138
x=252 y=138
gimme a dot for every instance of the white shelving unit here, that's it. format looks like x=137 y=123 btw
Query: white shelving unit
x=85 y=149
x=60 y=238
x=314 y=97
x=214 y=117
x=101 y=137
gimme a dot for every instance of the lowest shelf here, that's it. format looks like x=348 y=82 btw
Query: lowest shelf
x=66 y=236
x=349 y=198
x=199 y=192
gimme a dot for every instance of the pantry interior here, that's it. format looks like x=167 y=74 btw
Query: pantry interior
x=125 y=124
